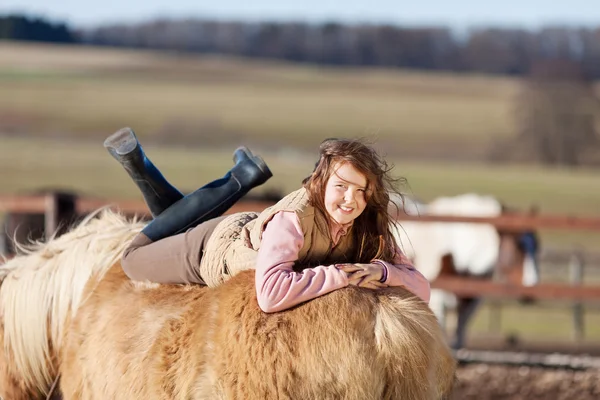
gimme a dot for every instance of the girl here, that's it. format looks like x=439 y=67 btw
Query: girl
x=331 y=233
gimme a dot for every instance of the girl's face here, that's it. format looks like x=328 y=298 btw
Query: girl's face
x=345 y=193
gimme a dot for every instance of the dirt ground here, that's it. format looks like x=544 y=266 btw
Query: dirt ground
x=494 y=382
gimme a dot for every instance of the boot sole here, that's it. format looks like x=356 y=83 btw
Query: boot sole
x=122 y=142
x=257 y=160
x=262 y=165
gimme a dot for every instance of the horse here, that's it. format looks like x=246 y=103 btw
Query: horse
x=466 y=249
x=67 y=310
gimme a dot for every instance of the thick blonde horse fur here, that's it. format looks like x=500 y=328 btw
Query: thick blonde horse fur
x=67 y=308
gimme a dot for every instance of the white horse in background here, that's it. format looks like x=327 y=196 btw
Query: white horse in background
x=466 y=249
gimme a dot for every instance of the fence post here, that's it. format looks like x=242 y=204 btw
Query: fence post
x=576 y=265
x=50 y=214
x=59 y=213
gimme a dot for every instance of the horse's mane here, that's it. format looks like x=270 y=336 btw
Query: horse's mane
x=42 y=287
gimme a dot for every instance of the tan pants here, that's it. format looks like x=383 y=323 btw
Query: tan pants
x=174 y=259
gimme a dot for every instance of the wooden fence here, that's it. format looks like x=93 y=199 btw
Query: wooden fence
x=575 y=292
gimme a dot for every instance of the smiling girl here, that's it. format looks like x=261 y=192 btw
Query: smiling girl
x=331 y=233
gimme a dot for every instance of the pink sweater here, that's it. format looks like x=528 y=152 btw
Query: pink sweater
x=278 y=287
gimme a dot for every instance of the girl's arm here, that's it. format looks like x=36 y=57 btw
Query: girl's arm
x=402 y=272
x=278 y=287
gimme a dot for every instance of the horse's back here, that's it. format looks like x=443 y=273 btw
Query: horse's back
x=147 y=341
x=311 y=350
x=353 y=343
x=119 y=344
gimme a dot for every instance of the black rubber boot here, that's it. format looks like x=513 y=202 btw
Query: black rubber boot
x=212 y=200
x=240 y=154
x=158 y=193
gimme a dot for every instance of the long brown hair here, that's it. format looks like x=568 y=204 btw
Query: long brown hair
x=372 y=232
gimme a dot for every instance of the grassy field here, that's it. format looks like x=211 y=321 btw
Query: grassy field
x=545 y=321
x=77 y=90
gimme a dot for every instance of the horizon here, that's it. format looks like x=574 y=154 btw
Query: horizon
x=460 y=15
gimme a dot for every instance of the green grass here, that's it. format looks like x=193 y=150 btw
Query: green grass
x=82 y=91
x=30 y=162
x=559 y=190
x=547 y=321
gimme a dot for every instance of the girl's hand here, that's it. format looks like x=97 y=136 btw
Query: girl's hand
x=364 y=275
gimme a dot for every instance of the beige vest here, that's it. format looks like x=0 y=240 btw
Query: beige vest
x=234 y=244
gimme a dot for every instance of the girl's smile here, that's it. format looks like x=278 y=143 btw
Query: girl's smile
x=345 y=194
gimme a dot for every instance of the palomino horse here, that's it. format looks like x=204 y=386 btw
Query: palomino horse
x=468 y=249
x=67 y=309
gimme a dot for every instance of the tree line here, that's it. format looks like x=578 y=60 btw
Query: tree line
x=21 y=27
x=486 y=50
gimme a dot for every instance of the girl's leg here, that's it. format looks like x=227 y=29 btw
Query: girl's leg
x=175 y=259
x=162 y=252
x=158 y=193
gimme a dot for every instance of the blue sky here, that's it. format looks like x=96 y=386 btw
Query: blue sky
x=453 y=13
